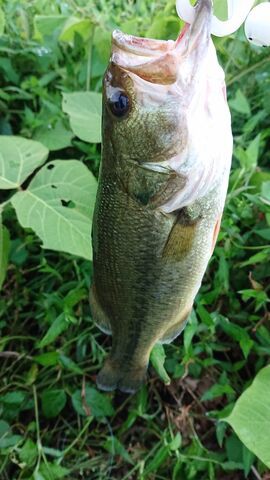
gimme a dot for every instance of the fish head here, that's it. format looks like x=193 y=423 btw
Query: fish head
x=160 y=97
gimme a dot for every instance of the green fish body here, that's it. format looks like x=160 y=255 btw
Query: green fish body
x=166 y=156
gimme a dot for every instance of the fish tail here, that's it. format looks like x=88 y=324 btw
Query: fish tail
x=127 y=379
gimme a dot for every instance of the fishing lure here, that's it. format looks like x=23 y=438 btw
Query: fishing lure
x=257 y=20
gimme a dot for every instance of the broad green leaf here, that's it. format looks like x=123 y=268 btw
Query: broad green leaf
x=257 y=179
x=102 y=44
x=84 y=111
x=240 y=103
x=19 y=157
x=259 y=257
x=52 y=471
x=266 y=192
x=253 y=151
x=4 y=428
x=217 y=390
x=54 y=138
x=99 y=404
x=237 y=333
x=250 y=417
x=13 y=398
x=10 y=441
x=164 y=27
x=176 y=442
x=190 y=330
x=48 y=359
x=28 y=453
x=48 y=25
x=157 y=358
x=58 y=206
x=53 y=402
x=2 y=22
x=74 y=25
x=4 y=251
x=264 y=233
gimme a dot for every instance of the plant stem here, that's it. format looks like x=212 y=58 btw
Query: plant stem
x=89 y=59
x=39 y=445
x=247 y=70
x=87 y=423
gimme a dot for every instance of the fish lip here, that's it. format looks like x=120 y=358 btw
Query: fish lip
x=154 y=61
x=141 y=46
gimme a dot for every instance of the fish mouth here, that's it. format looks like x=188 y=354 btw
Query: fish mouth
x=152 y=60
x=157 y=61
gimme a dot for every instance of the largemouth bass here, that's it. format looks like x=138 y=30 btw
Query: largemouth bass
x=166 y=155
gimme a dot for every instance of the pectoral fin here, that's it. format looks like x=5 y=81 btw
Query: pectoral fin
x=181 y=237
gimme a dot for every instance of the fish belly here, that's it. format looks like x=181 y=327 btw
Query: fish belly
x=148 y=267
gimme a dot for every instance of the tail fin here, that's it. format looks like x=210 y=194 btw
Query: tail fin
x=115 y=375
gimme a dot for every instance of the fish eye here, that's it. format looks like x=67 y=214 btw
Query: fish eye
x=119 y=103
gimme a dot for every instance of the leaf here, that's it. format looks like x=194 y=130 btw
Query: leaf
x=163 y=27
x=237 y=333
x=54 y=138
x=84 y=110
x=259 y=257
x=58 y=206
x=59 y=325
x=190 y=330
x=53 y=402
x=115 y=447
x=266 y=192
x=13 y=398
x=98 y=403
x=47 y=359
x=10 y=441
x=4 y=251
x=176 y=443
x=74 y=25
x=28 y=453
x=67 y=363
x=216 y=391
x=2 y=22
x=53 y=452
x=240 y=103
x=159 y=458
x=253 y=151
x=19 y=157
x=52 y=471
x=250 y=417
x=46 y=24
x=4 y=428
x=248 y=459
x=157 y=358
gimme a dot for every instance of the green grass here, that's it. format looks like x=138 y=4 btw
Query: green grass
x=53 y=422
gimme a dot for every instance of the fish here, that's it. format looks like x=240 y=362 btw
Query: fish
x=166 y=157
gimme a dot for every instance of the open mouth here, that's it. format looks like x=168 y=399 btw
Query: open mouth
x=153 y=60
x=157 y=61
